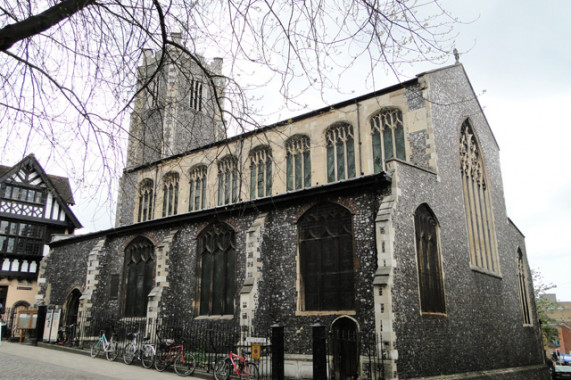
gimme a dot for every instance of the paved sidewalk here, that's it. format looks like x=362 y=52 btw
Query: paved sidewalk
x=20 y=361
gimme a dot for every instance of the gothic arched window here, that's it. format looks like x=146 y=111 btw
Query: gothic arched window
x=388 y=137
x=227 y=180
x=523 y=293
x=170 y=194
x=325 y=234
x=138 y=276
x=477 y=203
x=216 y=250
x=260 y=172
x=197 y=197
x=340 y=152
x=298 y=162
x=430 y=280
x=145 y=200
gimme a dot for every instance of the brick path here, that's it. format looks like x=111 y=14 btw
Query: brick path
x=20 y=361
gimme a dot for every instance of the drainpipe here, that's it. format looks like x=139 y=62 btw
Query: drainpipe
x=359 y=135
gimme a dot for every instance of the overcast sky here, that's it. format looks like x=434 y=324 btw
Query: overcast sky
x=518 y=58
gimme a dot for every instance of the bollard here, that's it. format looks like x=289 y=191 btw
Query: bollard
x=277 y=352
x=319 y=352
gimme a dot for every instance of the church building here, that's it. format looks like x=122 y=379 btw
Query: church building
x=383 y=214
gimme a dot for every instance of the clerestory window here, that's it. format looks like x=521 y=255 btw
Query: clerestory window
x=145 y=200
x=340 y=152
x=260 y=172
x=477 y=203
x=227 y=180
x=197 y=198
x=430 y=277
x=216 y=248
x=170 y=194
x=387 y=132
x=327 y=268
x=298 y=162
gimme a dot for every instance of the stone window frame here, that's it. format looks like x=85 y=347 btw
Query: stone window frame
x=260 y=159
x=477 y=203
x=145 y=209
x=318 y=216
x=340 y=152
x=298 y=162
x=524 y=294
x=429 y=261
x=227 y=180
x=196 y=95
x=218 y=241
x=387 y=137
x=138 y=265
x=170 y=193
x=197 y=187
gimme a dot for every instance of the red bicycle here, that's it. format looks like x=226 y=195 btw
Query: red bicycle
x=169 y=353
x=235 y=365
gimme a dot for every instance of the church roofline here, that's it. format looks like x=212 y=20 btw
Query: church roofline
x=291 y=120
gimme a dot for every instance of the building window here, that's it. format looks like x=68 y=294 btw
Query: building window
x=195 y=95
x=431 y=285
x=388 y=137
x=523 y=293
x=477 y=203
x=217 y=252
x=326 y=258
x=145 y=200
x=138 y=275
x=197 y=196
x=340 y=152
x=298 y=162
x=260 y=172
x=227 y=180
x=21 y=238
x=170 y=194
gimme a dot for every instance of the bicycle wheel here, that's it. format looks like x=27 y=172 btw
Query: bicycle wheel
x=222 y=369
x=253 y=372
x=148 y=356
x=162 y=360
x=129 y=354
x=184 y=364
x=112 y=351
x=95 y=348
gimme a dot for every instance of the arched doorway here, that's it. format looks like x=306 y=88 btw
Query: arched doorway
x=68 y=323
x=345 y=348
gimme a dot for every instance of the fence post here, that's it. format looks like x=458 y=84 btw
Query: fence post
x=319 y=362
x=277 y=352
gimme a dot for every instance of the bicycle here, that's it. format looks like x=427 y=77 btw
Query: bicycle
x=109 y=347
x=169 y=353
x=146 y=354
x=242 y=367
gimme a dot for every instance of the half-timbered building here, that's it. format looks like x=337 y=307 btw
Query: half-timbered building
x=33 y=207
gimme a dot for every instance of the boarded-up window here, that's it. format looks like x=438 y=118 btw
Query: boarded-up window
x=431 y=286
x=217 y=252
x=139 y=276
x=326 y=258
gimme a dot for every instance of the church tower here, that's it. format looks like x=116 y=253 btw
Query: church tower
x=176 y=108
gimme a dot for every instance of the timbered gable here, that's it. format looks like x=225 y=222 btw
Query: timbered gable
x=28 y=192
